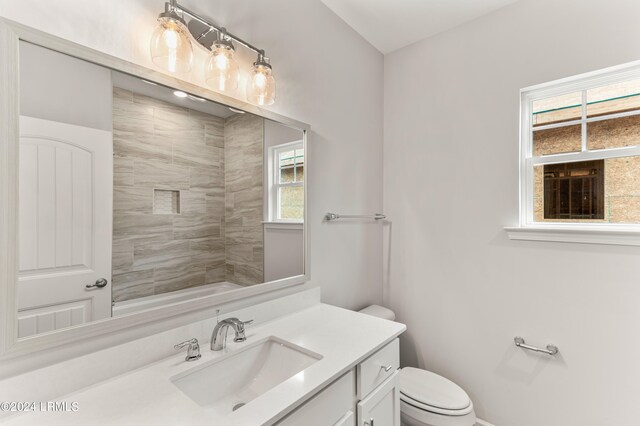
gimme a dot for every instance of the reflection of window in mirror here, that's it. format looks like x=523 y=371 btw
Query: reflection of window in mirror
x=286 y=182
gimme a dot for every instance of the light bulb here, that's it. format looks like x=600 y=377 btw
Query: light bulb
x=260 y=80
x=221 y=71
x=170 y=45
x=261 y=87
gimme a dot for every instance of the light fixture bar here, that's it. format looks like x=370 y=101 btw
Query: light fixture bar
x=173 y=5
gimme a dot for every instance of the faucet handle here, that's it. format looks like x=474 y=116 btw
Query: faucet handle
x=193 y=351
x=242 y=324
x=240 y=336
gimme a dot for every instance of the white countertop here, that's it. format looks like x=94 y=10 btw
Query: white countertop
x=147 y=395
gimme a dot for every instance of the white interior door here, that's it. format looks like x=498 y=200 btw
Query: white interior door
x=65 y=216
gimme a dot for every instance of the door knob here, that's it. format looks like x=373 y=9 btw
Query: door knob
x=102 y=282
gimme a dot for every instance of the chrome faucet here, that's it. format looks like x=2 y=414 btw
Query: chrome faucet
x=193 y=350
x=219 y=335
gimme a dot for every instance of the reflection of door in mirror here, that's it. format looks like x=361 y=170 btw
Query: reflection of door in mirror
x=65 y=186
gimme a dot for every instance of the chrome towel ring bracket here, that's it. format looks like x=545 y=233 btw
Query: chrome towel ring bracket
x=550 y=350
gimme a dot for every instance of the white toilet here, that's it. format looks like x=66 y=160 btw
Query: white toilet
x=427 y=399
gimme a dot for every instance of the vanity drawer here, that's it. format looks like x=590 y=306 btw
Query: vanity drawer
x=375 y=369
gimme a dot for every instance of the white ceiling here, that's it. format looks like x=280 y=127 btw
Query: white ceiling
x=391 y=24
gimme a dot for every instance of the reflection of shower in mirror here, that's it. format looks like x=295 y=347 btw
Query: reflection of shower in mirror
x=166 y=198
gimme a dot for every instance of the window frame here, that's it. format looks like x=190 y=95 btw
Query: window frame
x=273 y=198
x=600 y=232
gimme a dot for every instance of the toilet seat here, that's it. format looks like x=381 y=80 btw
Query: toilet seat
x=430 y=392
x=435 y=410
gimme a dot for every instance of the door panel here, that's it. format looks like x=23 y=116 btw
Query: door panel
x=65 y=225
x=55 y=205
x=49 y=318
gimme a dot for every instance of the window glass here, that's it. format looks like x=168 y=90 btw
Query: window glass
x=287 y=194
x=299 y=165
x=614 y=132
x=605 y=190
x=291 y=164
x=614 y=98
x=557 y=109
x=291 y=202
x=286 y=160
x=557 y=140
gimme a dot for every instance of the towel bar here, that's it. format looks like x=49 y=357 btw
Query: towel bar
x=334 y=216
x=550 y=350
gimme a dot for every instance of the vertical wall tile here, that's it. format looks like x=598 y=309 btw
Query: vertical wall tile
x=243 y=154
x=122 y=171
x=156 y=145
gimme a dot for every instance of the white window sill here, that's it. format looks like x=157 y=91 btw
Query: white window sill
x=609 y=234
x=283 y=225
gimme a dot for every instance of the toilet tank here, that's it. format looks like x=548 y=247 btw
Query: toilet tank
x=379 y=311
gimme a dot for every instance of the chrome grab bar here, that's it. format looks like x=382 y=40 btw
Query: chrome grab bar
x=550 y=350
x=334 y=216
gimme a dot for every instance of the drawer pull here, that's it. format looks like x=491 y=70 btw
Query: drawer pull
x=387 y=368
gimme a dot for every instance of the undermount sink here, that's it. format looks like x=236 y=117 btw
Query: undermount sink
x=226 y=384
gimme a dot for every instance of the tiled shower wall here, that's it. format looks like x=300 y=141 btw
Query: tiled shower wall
x=162 y=146
x=243 y=145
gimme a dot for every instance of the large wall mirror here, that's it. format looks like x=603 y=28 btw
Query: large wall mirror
x=134 y=194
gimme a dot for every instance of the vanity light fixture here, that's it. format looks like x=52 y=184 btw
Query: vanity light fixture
x=171 y=50
x=261 y=87
x=180 y=94
x=170 y=43
x=222 y=71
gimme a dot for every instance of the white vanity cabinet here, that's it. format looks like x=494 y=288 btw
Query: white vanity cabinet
x=382 y=406
x=333 y=406
x=368 y=395
x=378 y=393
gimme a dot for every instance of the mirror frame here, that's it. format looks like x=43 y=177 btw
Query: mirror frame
x=11 y=34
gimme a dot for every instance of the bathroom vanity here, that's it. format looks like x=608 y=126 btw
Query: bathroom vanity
x=320 y=366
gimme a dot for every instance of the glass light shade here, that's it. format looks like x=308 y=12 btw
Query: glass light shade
x=222 y=71
x=170 y=46
x=261 y=87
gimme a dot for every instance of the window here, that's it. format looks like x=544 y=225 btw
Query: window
x=580 y=153
x=574 y=190
x=286 y=195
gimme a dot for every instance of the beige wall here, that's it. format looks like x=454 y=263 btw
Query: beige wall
x=160 y=145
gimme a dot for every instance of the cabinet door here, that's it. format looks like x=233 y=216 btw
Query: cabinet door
x=329 y=407
x=382 y=406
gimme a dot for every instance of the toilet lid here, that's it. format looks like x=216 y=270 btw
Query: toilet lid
x=433 y=390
